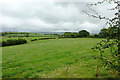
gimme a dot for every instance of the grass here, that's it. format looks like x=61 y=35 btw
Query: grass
x=51 y=59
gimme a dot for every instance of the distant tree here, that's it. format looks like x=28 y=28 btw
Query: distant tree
x=67 y=35
x=75 y=35
x=70 y=35
x=103 y=33
x=55 y=34
x=91 y=36
x=3 y=34
x=84 y=33
x=26 y=35
x=96 y=36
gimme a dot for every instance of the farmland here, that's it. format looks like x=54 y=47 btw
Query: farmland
x=52 y=59
x=24 y=35
x=60 y=39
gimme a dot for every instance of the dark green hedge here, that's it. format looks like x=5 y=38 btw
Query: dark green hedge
x=42 y=39
x=13 y=42
x=46 y=38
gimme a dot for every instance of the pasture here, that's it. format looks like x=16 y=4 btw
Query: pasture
x=52 y=58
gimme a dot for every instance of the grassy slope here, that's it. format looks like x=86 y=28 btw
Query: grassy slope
x=50 y=58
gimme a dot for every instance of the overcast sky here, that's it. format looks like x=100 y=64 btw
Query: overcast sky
x=52 y=16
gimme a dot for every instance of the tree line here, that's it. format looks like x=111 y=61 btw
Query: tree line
x=104 y=33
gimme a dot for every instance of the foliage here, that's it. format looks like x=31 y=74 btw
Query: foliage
x=42 y=39
x=91 y=36
x=104 y=33
x=110 y=61
x=21 y=41
x=10 y=42
x=113 y=31
x=4 y=43
x=110 y=32
x=70 y=35
x=96 y=35
x=26 y=34
x=84 y=33
x=34 y=39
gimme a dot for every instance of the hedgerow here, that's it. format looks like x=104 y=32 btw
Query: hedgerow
x=13 y=42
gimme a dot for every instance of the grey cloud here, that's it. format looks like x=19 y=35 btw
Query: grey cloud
x=49 y=16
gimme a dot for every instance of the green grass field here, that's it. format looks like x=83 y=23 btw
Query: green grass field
x=51 y=59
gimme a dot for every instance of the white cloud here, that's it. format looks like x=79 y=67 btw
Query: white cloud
x=10 y=21
x=40 y=16
x=91 y=27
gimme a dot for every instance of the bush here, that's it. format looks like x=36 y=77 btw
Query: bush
x=33 y=39
x=46 y=38
x=21 y=41
x=4 y=43
x=42 y=39
x=13 y=42
x=27 y=35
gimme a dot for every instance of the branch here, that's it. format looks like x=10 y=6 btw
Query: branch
x=113 y=8
x=98 y=16
x=92 y=9
x=109 y=1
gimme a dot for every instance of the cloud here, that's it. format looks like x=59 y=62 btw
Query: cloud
x=91 y=27
x=40 y=16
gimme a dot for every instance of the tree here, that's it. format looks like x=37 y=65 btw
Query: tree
x=71 y=35
x=84 y=33
x=75 y=35
x=104 y=33
x=113 y=31
x=26 y=35
x=112 y=61
x=96 y=35
x=67 y=35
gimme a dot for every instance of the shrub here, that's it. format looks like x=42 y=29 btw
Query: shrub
x=4 y=43
x=27 y=35
x=42 y=39
x=13 y=42
x=21 y=41
x=33 y=39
